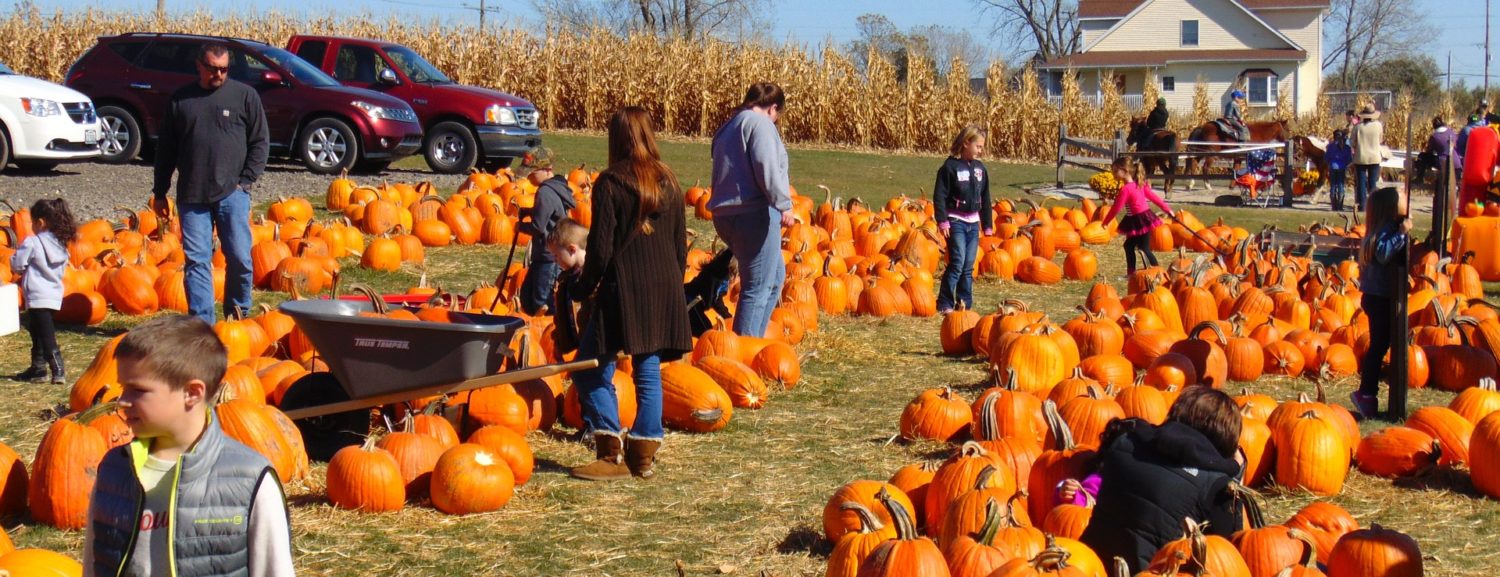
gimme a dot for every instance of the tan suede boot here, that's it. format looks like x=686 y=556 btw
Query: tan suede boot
x=640 y=455
x=610 y=463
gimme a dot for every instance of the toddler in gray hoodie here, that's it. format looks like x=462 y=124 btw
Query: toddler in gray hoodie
x=40 y=261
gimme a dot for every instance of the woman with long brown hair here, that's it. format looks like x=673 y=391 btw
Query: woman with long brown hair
x=636 y=255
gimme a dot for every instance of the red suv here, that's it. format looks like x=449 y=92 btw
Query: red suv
x=314 y=119
x=465 y=125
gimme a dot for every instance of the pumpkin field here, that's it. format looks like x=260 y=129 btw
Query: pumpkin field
x=854 y=388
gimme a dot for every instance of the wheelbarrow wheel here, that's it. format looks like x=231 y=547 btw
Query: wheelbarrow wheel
x=325 y=435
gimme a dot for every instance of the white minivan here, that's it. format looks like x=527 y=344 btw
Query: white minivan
x=43 y=124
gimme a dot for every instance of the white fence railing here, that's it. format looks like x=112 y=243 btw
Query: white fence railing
x=1131 y=101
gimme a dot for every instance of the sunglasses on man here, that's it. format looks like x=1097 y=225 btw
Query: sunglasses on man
x=214 y=69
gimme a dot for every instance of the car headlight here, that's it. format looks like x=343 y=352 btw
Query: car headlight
x=501 y=115
x=384 y=112
x=41 y=107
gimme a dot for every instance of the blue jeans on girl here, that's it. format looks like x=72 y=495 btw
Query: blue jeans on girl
x=596 y=393
x=958 y=278
x=1336 y=178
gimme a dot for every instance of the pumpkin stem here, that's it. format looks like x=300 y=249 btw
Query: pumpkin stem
x=1250 y=499
x=376 y=301
x=982 y=481
x=98 y=410
x=906 y=530
x=993 y=518
x=989 y=427
x=1060 y=431
x=868 y=521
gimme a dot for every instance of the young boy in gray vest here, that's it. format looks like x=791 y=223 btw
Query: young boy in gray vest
x=183 y=498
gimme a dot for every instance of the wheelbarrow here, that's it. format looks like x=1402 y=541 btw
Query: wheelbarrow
x=376 y=361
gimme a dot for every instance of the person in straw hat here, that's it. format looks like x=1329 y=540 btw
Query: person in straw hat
x=1365 y=139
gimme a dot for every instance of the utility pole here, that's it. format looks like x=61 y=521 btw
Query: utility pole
x=1486 y=49
x=1448 y=74
x=481 y=8
x=161 y=11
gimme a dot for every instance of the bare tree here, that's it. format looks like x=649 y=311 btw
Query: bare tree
x=1048 y=28
x=681 y=18
x=944 y=44
x=1362 y=33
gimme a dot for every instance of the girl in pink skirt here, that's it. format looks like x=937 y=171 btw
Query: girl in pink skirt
x=1136 y=197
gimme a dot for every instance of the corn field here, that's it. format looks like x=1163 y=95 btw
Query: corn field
x=578 y=80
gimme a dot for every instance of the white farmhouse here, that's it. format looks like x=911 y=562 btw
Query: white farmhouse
x=1271 y=49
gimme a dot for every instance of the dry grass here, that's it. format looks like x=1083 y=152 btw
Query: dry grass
x=748 y=498
x=577 y=80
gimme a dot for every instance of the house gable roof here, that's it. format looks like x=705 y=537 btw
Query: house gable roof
x=1106 y=9
x=1138 y=5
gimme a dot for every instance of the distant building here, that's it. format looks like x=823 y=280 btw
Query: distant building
x=1271 y=49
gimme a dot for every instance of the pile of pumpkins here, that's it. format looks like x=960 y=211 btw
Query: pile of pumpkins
x=967 y=518
x=991 y=508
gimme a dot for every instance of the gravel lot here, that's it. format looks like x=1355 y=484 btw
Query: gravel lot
x=94 y=189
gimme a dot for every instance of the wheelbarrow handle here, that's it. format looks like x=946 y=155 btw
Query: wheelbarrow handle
x=505 y=378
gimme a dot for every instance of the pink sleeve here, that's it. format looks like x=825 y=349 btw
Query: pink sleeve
x=1151 y=196
x=1092 y=483
x=1120 y=200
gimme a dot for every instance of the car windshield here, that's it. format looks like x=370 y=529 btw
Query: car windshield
x=415 y=67
x=300 y=69
x=5 y=69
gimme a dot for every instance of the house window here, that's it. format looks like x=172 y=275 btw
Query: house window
x=1260 y=87
x=1168 y=83
x=1189 y=32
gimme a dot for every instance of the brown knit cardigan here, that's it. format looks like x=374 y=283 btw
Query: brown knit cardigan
x=636 y=279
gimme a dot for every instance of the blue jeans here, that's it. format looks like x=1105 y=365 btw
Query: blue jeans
x=958 y=278
x=230 y=217
x=600 y=406
x=1336 y=178
x=1366 y=178
x=536 y=289
x=755 y=239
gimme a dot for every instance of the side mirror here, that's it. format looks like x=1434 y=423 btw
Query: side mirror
x=388 y=76
x=271 y=77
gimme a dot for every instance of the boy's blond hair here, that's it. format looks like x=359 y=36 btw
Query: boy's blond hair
x=568 y=232
x=177 y=349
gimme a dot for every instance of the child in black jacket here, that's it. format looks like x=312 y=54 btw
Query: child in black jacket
x=1155 y=476
x=961 y=204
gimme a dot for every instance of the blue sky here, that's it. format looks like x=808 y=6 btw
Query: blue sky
x=1460 y=22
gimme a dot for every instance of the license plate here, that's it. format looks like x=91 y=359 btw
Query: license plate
x=90 y=136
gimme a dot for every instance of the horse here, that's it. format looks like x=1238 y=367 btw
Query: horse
x=1260 y=133
x=1162 y=140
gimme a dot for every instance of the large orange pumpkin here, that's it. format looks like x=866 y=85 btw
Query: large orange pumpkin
x=366 y=478
x=471 y=478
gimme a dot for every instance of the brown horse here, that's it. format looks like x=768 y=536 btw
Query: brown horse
x=1146 y=140
x=1260 y=133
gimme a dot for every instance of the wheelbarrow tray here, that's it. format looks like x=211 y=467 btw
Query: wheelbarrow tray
x=376 y=356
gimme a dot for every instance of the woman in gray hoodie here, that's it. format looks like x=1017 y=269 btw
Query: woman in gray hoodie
x=751 y=201
x=40 y=261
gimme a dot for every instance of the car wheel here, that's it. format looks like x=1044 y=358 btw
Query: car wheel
x=120 y=135
x=451 y=148
x=37 y=166
x=328 y=146
x=4 y=149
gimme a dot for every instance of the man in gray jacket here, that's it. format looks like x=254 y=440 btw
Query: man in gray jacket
x=751 y=201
